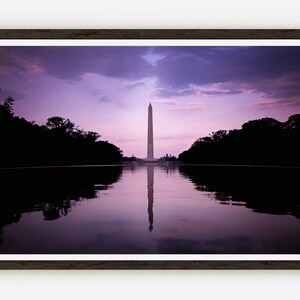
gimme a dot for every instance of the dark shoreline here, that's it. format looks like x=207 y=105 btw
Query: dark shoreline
x=74 y=167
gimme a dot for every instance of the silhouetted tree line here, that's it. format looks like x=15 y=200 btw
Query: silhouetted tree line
x=168 y=158
x=58 y=142
x=259 y=142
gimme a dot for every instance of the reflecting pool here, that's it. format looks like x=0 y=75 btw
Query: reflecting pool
x=150 y=210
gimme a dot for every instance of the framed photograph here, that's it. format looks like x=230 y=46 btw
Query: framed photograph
x=149 y=149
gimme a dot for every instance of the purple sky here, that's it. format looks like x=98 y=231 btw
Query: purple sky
x=194 y=90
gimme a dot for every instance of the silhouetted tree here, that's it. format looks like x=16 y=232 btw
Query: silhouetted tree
x=293 y=123
x=168 y=158
x=60 y=123
x=8 y=105
x=91 y=136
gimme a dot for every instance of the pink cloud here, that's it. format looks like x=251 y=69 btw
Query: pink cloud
x=181 y=105
x=277 y=102
x=166 y=101
x=189 y=106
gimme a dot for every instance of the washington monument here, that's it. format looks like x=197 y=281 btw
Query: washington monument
x=150 y=152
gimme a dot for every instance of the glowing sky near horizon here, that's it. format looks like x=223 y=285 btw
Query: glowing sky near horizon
x=194 y=90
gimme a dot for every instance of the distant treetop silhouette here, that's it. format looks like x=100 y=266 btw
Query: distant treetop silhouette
x=264 y=141
x=58 y=142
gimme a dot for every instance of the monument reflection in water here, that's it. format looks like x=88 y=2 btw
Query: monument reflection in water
x=149 y=210
x=150 y=183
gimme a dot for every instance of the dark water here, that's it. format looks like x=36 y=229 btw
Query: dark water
x=150 y=210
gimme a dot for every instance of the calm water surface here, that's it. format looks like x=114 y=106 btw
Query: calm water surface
x=149 y=210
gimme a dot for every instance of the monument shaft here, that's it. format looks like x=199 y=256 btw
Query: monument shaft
x=150 y=151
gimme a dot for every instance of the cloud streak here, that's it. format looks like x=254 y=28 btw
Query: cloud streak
x=181 y=105
x=220 y=92
x=277 y=102
x=189 y=106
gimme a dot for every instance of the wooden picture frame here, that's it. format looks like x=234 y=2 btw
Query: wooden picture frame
x=258 y=34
